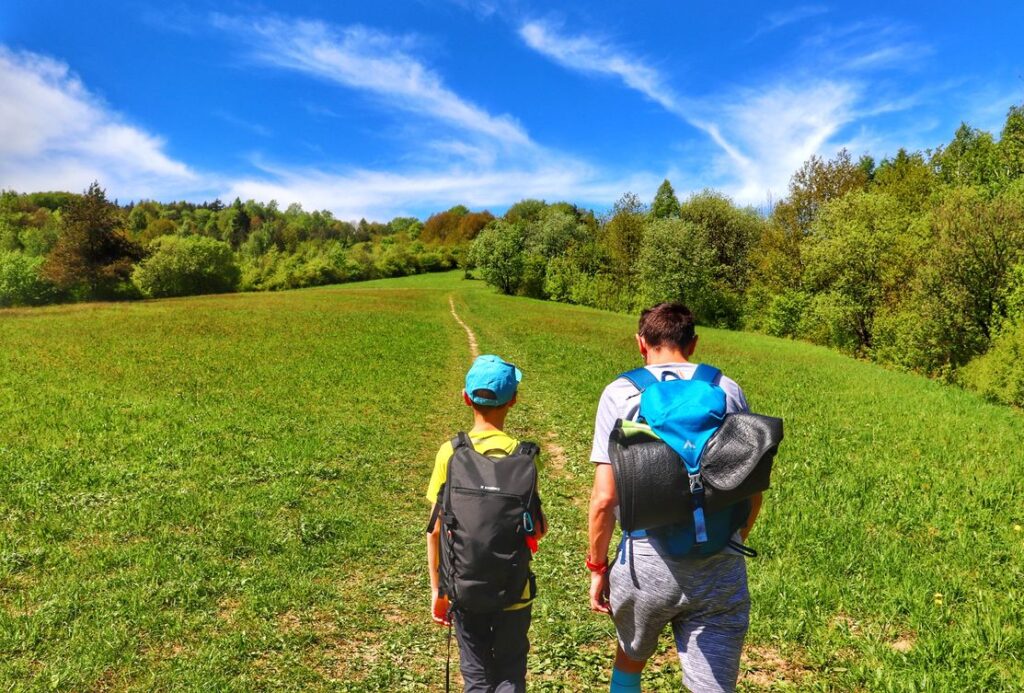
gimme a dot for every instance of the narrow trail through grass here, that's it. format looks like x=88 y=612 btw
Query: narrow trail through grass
x=474 y=350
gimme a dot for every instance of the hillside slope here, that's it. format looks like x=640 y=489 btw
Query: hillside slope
x=227 y=491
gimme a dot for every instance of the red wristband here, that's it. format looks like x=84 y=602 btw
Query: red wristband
x=599 y=568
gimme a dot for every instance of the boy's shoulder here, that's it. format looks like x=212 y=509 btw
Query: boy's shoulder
x=483 y=441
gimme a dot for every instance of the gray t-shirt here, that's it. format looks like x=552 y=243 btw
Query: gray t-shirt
x=620 y=400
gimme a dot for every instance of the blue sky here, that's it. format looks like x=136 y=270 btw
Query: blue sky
x=409 y=107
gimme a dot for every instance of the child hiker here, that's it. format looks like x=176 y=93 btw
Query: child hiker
x=482 y=534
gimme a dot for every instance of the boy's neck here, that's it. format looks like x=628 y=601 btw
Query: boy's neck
x=488 y=421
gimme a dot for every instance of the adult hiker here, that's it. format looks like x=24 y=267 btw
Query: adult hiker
x=482 y=533
x=667 y=578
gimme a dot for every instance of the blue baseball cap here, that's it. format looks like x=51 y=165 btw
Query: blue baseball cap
x=490 y=372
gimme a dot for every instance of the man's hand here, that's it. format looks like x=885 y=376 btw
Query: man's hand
x=599 y=593
x=439 y=609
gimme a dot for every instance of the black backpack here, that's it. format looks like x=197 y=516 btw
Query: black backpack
x=489 y=506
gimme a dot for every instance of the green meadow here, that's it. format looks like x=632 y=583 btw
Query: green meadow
x=226 y=493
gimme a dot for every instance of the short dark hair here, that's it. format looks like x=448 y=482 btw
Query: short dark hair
x=670 y=324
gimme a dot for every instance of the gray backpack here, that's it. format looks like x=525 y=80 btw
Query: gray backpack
x=489 y=507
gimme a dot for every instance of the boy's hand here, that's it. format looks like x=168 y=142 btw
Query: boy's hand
x=439 y=609
x=599 y=593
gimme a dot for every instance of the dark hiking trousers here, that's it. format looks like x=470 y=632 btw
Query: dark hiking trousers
x=492 y=650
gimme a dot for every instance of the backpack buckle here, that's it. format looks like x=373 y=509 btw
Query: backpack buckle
x=696 y=485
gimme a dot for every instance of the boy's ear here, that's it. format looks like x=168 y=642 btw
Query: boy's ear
x=466 y=399
x=512 y=401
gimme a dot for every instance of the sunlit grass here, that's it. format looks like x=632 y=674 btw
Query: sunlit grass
x=226 y=493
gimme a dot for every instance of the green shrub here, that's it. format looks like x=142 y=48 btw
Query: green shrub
x=559 y=278
x=186 y=266
x=1015 y=295
x=396 y=261
x=9 y=240
x=782 y=316
x=430 y=261
x=21 y=283
x=534 y=273
x=915 y=335
x=998 y=374
x=830 y=319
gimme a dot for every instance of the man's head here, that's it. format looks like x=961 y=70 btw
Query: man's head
x=491 y=383
x=669 y=328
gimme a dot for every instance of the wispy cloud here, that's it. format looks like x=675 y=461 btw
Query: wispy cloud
x=777 y=20
x=600 y=57
x=371 y=61
x=590 y=55
x=232 y=119
x=55 y=134
x=485 y=160
x=481 y=8
x=864 y=46
x=763 y=132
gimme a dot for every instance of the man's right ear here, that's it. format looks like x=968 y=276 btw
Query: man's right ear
x=466 y=399
x=641 y=344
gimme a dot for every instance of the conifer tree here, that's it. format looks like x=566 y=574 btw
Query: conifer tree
x=666 y=204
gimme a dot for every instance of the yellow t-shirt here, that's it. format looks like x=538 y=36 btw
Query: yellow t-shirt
x=484 y=442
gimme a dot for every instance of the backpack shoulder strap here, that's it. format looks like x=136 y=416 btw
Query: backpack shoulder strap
x=706 y=373
x=641 y=378
x=461 y=440
x=435 y=512
x=527 y=448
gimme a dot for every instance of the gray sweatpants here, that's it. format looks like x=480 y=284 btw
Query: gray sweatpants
x=705 y=599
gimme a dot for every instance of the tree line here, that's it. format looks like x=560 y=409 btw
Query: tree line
x=915 y=261
x=58 y=247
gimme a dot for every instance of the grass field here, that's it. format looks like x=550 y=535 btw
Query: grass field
x=225 y=493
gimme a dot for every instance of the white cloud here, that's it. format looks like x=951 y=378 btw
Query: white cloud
x=763 y=132
x=371 y=61
x=382 y=195
x=54 y=134
x=600 y=57
x=485 y=160
x=586 y=54
x=778 y=128
x=863 y=46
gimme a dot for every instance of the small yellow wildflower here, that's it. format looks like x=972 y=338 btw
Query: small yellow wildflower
x=1017 y=528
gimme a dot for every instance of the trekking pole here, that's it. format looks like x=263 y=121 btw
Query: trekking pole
x=448 y=657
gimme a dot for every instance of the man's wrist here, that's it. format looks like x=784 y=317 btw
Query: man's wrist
x=599 y=568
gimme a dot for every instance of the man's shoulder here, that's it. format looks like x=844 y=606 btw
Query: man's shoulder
x=619 y=386
x=727 y=382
